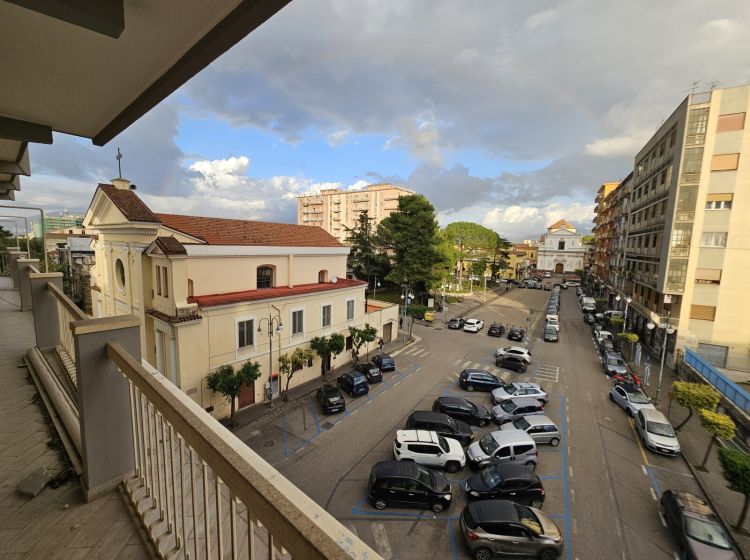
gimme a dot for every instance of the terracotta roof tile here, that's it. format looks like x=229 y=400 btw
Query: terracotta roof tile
x=170 y=246
x=132 y=207
x=222 y=231
x=272 y=293
x=561 y=224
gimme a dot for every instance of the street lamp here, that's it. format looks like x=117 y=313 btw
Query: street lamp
x=375 y=286
x=668 y=330
x=279 y=327
x=406 y=295
x=625 y=315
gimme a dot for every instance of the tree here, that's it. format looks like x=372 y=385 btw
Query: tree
x=718 y=425
x=291 y=364
x=326 y=347
x=471 y=241
x=363 y=336
x=500 y=255
x=479 y=266
x=228 y=382
x=364 y=259
x=694 y=396
x=735 y=466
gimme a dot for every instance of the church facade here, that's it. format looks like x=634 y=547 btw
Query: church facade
x=560 y=249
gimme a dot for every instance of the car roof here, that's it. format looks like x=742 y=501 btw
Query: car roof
x=524 y=401
x=367 y=365
x=629 y=387
x=539 y=420
x=526 y=385
x=614 y=355
x=421 y=436
x=383 y=356
x=395 y=468
x=428 y=416
x=526 y=350
x=484 y=511
x=653 y=415
x=452 y=400
x=550 y=328
x=513 y=470
x=693 y=504
x=357 y=376
x=472 y=320
x=475 y=370
x=329 y=388
x=511 y=436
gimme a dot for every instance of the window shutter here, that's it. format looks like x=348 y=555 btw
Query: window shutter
x=731 y=121
x=703 y=312
x=708 y=274
x=719 y=196
x=725 y=162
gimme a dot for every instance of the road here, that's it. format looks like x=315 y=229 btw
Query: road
x=601 y=486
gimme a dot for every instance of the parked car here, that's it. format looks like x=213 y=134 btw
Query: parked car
x=479 y=380
x=473 y=325
x=606 y=346
x=656 y=432
x=519 y=389
x=503 y=446
x=456 y=323
x=496 y=329
x=440 y=423
x=407 y=484
x=629 y=397
x=463 y=409
x=370 y=371
x=353 y=383
x=503 y=528
x=602 y=335
x=547 y=275
x=614 y=364
x=510 y=409
x=588 y=318
x=514 y=351
x=550 y=334
x=428 y=448
x=539 y=427
x=512 y=362
x=384 y=362
x=517 y=334
x=330 y=398
x=553 y=322
x=506 y=482
x=695 y=527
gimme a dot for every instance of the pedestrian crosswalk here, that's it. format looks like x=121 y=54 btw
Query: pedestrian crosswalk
x=416 y=352
x=547 y=372
x=468 y=364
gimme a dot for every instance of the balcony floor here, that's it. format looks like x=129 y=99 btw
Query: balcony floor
x=57 y=523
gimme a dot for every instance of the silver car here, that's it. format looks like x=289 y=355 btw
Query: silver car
x=630 y=398
x=510 y=409
x=656 y=432
x=614 y=364
x=540 y=428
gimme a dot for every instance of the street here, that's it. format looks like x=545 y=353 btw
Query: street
x=601 y=486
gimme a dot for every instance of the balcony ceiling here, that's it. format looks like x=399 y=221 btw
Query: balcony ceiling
x=92 y=69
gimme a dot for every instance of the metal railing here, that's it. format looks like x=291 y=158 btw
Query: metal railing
x=731 y=390
x=67 y=312
x=202 y=493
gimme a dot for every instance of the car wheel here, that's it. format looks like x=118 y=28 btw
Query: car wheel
x=554 y=442
x=548 y=554
x=531 y=465
x=629 y=412
x=482 y=423
x=482 y=554
x=537 y=503
x=452 y=466
x=380 y=504
x=437 y=507
x=470 y=388
x=613 y=399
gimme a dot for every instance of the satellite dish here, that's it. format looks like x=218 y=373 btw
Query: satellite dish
x=334 y=279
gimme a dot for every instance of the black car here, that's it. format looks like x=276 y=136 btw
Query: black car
x=330 y=398
x=441 y=423
x=551 y=334
x=695 y=527
x=506 y=482
x=496 y=329
x=353 y=383
x=479 y=380
x=456 y=323
x=384 y=362
x=516 y=333
x=407 y=484
x=511 y=361
x=462 y=409
x=370 y=371
x=588 y=318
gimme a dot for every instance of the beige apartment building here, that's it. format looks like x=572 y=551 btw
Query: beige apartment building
x=334 y=210
x=688 y=234
x=206 y=290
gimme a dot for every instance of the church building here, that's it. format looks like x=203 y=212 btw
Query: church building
x=560 y=249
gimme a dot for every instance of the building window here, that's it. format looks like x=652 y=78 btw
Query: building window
x=190 y=288
x=322 y=276
x=245 y=333
x=725 y=162
x=349 y=309
x=686 y=198
x=696 y=127
x=708 y=275
x=158 y=280
x=326 y=316
x=672 y=138
x=732 y=121
x=264 y=277
x=676 y=274
x=164 y=281
x=561 y=245
x=719 y=205
x=691 y=167
x=703 y=312
x=120 y=274
x=298 y=326
x=714 y=239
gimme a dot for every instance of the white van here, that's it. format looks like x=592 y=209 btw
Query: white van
x=588 y=304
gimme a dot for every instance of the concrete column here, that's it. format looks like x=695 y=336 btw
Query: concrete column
x=14 y=256
x=104 y=402
x=44 y=305
x=24 y=285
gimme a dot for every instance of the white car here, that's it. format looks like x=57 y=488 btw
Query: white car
x=630 y=398
x=515 y=390
x=525 y=353
x=547 y=275
x=428 y=448
x=473 y=325
x=553 y=322
x=656 y=432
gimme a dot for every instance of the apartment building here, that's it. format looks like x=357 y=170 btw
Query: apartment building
x=212 y=291
x=686 y=241
x=603 y=232
x=618 y=206
x=334 y=210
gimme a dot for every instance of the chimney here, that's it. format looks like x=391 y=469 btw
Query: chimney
x=122 y=184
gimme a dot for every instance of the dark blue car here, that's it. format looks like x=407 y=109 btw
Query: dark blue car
x=384 y=362
x=354 y=383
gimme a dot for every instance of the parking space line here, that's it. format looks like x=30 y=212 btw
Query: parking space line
x=314 y=415
x=452 y=539
x=283 y=432
x=381 y=540
x=567 y=491
x=661 y=516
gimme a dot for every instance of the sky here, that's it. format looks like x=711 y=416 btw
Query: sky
x=506 y=113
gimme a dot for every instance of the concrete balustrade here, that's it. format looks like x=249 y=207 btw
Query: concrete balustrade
x=26 y=267
x=13 y=257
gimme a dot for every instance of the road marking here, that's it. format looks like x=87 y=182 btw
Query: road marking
x=467 y=363
x=638 y=441
x=353 y=529
x=653 y=494
x=355 y=411
x=663 y=521
x=381 y=540
x=570 y=470
x=458 y=361
x=644 y=470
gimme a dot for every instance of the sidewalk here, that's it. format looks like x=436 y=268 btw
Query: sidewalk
x=694 y=441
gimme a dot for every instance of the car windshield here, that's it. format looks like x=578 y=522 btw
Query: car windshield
x=511 y=389
x=615 y=362
x=490 y=477
x=707 y=532
x=660 y=429
x=508 y=406
x=452 y=423
x=334 y=398
x=521 y=423
x=424 y=475
x=638 y=398
x=527 y=518
x=488 y=444
x=443 y=444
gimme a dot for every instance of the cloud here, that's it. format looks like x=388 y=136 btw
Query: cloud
x=420 y=136
x=528 y=222
x=541 y=18
x=626 y=145
x=337 y=138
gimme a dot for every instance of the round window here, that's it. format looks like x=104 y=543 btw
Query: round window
x=120 y=274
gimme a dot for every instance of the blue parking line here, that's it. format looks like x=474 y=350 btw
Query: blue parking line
x=652 y=477
x=314 y=415
x=551 y=477
x=566 y=482
x=452 y=538
x=283 y=432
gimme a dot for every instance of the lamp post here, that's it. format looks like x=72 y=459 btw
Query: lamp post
x=668 y=330
x=279 y=327
x=625 y=315
x=375 y=286
x=406 y=295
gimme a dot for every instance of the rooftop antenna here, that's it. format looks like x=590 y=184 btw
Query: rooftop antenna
x=713 y=85
x=119 y=164
x=696 y=84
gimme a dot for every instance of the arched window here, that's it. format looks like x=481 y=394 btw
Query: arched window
x=264 y=277
x=322 y=276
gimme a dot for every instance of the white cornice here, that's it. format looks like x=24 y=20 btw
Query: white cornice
x=260 y=250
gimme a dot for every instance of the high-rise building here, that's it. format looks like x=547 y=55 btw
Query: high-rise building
x=335 y=210
x=603 y=231
x=63 y=222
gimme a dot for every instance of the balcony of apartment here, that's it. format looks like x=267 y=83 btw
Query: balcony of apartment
x=141 y=470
